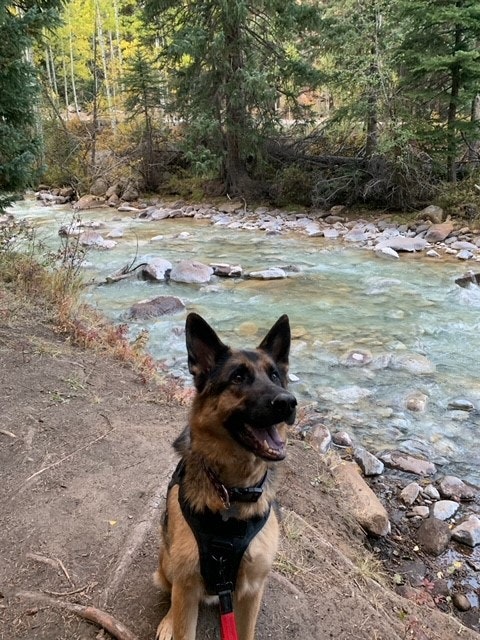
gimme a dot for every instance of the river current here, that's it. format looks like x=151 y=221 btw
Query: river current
x=369 y=334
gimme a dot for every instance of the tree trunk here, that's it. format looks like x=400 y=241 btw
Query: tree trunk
x=237 y=179
x=95 y=101
x=474 y=146
x=371 y=142
x=101 y=41
x=72 y=70
x=452 y=113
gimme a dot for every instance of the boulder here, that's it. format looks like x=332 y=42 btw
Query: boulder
x=319 y=438
x=416 y=401
x=158 y=214
x=453 y=487
x=342 y=439
x=468 y=279
x=191 y=272
x=99 y=187
x=366 y=507
x=268 y=274
x=402 y=243
x=95 y=240
x=155 y=308
x=157 y=269
x=409 y=494
x=226 y=270
x=369 y=464
x=439 y=232
x=88 y=202
x=433 y=536
x=386 y=252
x=433 y=213
x=410 y=464
x=468 y=532
x=414 y=363
x=445 y=509
x=130 y=193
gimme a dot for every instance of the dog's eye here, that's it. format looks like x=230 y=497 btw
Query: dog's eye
x=274 y=377
x=238 y=376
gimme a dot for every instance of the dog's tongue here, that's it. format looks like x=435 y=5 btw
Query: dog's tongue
x=271 y=436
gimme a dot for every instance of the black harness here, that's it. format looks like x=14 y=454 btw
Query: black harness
x=221 y=543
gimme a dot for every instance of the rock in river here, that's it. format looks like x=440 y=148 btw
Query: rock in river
x=155 y=308
x=191 y=272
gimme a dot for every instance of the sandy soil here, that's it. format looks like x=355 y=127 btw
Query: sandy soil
x=85 y=457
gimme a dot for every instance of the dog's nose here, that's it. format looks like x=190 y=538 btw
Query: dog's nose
x=284 y=406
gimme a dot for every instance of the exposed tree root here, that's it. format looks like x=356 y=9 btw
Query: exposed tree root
x=101 y=618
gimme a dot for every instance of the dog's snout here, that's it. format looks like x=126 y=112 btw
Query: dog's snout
x=284 y=407
x=285 y=401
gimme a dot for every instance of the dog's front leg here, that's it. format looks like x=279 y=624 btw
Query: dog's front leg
x=246 y=613
x=180 y=623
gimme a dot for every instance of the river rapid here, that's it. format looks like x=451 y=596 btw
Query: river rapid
x=387 y=350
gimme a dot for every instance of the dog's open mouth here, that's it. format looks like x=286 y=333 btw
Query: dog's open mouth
x=264 y=442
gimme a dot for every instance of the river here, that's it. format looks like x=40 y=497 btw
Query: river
x=370 y=334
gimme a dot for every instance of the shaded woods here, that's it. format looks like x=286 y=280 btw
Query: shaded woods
x=311 y=103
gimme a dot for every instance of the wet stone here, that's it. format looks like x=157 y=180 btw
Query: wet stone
x=461 y=602
x=191 y=272
x=319 y=438
x=431 y=492
x=342 y=439
x=468 y=532
x=420 y=511
x=445 y=509
x=433 y=536
x=461 y=404
x=369 y=464
x=453 y=487
x=409 y=494
x=155 y=308
x=410 y=464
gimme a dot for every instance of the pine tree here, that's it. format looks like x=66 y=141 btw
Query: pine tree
x=21 y=25
x=143 y=87
x=439 y=62
x=229 y=62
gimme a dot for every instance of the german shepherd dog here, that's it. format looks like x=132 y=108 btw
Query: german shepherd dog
x=228 y=470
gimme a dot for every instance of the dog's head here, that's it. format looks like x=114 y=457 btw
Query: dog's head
x=244 y=391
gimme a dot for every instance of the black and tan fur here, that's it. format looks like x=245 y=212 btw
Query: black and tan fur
x=238 y=430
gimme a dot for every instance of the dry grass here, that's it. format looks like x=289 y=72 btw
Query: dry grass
x=306 y=557
x=50 y=285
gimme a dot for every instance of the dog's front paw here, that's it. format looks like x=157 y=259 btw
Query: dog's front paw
x=165 y=628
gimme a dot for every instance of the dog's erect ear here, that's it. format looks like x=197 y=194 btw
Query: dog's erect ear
x=277 y=342
x=204 y=348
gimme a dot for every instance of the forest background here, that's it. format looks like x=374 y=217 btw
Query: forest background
x=315 y=103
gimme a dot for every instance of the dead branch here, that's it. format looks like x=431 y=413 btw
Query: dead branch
x=55 y=563
x=101 y=618
x=126 y=272
x=7 y=433
x=63 y=594
x=70 y=455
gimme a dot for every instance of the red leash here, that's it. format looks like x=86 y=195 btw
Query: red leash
x=228 y=625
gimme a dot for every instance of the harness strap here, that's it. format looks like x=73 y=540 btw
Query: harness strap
x=228 y=625
x=221 y=544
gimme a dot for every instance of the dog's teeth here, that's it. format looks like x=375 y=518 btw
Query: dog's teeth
x=265 y=444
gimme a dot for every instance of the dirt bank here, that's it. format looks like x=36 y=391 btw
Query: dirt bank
x=84 y=460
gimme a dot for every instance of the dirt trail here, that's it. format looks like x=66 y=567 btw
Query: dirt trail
x=85 y=457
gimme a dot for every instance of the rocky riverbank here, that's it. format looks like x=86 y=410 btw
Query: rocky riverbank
x=423 y=525
x=430 y=231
